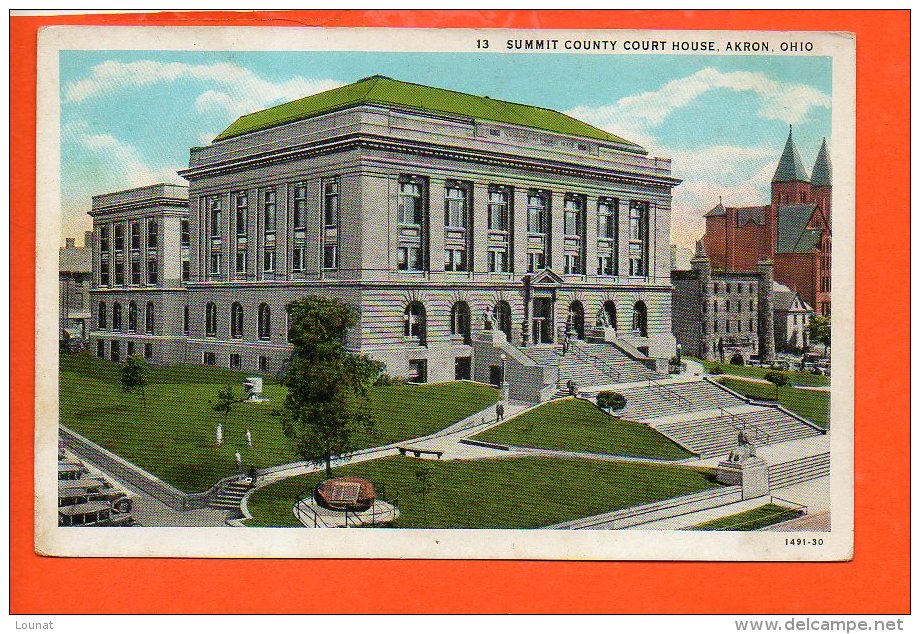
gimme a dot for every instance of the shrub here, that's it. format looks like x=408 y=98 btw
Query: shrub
x=716 y=369
x=387 y=380
x=610 y=401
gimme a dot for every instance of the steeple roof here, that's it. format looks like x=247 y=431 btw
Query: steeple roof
x=790 y=166
x=821 y=174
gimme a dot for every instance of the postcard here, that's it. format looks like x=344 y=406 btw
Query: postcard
x=445 y=293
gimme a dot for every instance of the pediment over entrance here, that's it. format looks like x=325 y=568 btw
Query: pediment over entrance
x=546 y=277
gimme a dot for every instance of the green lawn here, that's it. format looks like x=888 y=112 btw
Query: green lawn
x=811 y=404
x=575 y=424
x=173 y=437
x=797 y=378
x=524 y=492
x=751 y=520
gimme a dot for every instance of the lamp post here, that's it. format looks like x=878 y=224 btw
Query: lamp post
x=504 y=359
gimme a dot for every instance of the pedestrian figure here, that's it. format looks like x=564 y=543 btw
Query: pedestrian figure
x=500 y=412
x=239 y=462
x=248 y=438
x=565 y=344
x=220 y=434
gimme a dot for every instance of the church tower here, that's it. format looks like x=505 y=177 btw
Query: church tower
x=791 y=184
x=821 y=182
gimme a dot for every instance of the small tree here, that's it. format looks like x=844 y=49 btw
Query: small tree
x=226 y=399
x=778 y=379
x=610 y=401
x=423 y=479
x=327 y=385
x=819 y=329
x=134 y=377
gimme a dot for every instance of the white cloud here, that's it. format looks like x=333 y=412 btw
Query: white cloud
x=117 y=163
x=635 y=116
x=232 y=89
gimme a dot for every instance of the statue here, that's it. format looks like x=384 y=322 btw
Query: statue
x=488 y=318
x=744 y=450
x=603 y=320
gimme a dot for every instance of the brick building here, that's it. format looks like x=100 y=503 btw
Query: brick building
x=793 y=230
x=74 y=279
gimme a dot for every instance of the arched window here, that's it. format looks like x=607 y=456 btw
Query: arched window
x=575 y=324
x=640 y=319
x=265 y=322
x=210 y=320
x=610 y=310
x=460 y=320
x=148 y=318
x=116 y=316
x=132 y=317
x=236 y=320
x=503 y=317
x=414 y=322
x=102 y=321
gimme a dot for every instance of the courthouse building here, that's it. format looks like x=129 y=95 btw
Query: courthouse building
x=437 y=214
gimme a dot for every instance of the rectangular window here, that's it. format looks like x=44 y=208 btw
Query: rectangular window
x=135 y=271
x=263 y=364
x=410 y=204
x=269 y=261
x=455 y=260
x=100 y=348
x=297 y=258
x=186 y=234
x=115 y=353
x=214 y=219
x=104 y=239
x=148 y=351
x=638 y=238
x=409 y=258
x=605 y=265
x=418 y=371
x=537 y=210
x=607 y=218
x=269 y=210
x=241 y=258
x=210 y=358
x=455 y=208
x=186 y=271
x=104 y=273
x=242 y=212
x=119 y=273
x=185 y=320
x=331 y=203
x=498 y=261
x=135 y=235
x=153 y=276
x=152 y=234
x=299 y=213
x=498 y=209
x=573 y=209
x=119 y=238
x=216 y=261
x=572 y=264
x=330 y=257
x=235 y=361
x=129 y=349
x=536 y=262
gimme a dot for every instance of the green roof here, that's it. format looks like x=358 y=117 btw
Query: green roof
x=821 y=174
x=383 y=91
x=792 y=232
x=790 y=166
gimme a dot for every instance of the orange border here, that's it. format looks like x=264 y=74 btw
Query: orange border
x=876 y=581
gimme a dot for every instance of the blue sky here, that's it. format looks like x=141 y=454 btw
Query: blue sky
x=128 y=118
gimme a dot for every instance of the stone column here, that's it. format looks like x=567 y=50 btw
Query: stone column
x=589 y=251
x=519 y=231
x=435 y=206
x=283 y=232
x=556 y=232
x=765 y=310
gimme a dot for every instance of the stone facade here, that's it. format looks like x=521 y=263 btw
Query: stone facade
x=425 y=222
x=74 y=281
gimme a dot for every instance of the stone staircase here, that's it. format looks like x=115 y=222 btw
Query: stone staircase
x=651 y=401
x=717 y=435
x=590 y=364
x=230 y=497
x=786 y=474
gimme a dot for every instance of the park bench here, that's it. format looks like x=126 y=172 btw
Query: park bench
x=418 y=453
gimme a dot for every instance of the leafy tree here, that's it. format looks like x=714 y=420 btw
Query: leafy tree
x=327 y=385
x=819 y=329
x=423 y=478
x=779 y=379
x=134 y=376
x=226 y=399
x=610 y=401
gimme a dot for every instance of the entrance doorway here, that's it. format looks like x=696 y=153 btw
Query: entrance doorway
x=542 y=320
x=577 y=320
x=737 y=359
